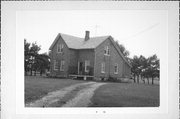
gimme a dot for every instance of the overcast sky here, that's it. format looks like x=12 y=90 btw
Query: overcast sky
x=140 y=31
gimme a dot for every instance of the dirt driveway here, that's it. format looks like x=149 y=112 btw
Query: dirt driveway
x=77 y=95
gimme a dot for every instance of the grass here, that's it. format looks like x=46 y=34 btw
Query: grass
x=37 y=87
x=126 y=95
x=109 y=95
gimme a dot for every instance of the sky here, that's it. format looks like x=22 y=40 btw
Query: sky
x=140 y=31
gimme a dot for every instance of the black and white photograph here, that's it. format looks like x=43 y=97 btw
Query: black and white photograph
x=92 y=58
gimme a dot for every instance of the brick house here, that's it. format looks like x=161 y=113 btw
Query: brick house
x=89 y=57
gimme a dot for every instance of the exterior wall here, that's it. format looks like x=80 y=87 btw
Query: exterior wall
x=99 y=58
x=71 y=58
x=87 y=54
x=126 y=70
x=110 y=62
x=59 y=56
x=73 y=61
x=95 y=56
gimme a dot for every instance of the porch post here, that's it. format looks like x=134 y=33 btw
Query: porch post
x=78 y=67
x=85 y=78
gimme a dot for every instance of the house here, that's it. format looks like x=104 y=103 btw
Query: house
x=88 y=57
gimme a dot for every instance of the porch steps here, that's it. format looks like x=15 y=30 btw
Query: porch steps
x=81 y=76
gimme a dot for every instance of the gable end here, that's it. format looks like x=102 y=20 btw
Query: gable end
x=55 y=41
x=119 y=52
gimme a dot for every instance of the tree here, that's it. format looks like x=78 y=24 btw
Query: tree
x=33 y=60
x=145 y=67
x=43 y=62
x=31 y=56
x=153 y=67
x=27 y=57
x=34 y=50
x=136 y=67
x=123 y=49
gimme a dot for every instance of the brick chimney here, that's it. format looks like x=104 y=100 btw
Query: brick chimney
x=87 y=36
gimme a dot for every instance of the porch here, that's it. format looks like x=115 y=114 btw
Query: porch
x=81 y=71
x=85 y=77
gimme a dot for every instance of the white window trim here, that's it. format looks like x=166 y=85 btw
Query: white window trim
x=55 y=65
x=103 y=65
x=106 y=49
x=87 y=63
x=116 y=64
x=61 y=46
x=62 y=65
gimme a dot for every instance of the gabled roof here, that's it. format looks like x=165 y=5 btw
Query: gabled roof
x=118 y=49
x=79 y=43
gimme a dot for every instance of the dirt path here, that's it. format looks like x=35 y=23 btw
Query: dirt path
x=77 y=95
x=83 y=97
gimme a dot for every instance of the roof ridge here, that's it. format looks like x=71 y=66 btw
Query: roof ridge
x=100 y=36
x=79 y=43
x=70 y=35
x=83 y=38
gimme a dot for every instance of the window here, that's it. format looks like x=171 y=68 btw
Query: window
x=102 y=67
x=87 y=64
x=60 y=48
x=55 y=65
x=62 y=65
x=106 y=50
x=116 y=69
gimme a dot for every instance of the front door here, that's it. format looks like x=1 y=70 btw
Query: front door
x=80 y=67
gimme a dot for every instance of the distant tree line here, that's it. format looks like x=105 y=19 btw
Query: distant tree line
x=143 y=67
x=33 y=61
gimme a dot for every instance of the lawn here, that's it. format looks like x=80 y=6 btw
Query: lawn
x=126 y=95
x=108 y=95
x=37 y=87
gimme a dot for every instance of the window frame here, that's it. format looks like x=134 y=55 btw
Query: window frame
x=62 y=64
x=116 y=71
x=103 y=67
x=87 y=63
x=107 y=50
x=60 y=48
x=55 y=65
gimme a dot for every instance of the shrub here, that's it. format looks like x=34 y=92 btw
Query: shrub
x=112 y=79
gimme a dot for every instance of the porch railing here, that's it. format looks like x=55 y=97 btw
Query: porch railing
x=74 y=71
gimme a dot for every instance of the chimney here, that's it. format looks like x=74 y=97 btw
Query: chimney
x=87 y=36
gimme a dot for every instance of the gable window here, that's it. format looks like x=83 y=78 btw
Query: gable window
x=116 y=68
x=62 y=65
x=60 y=48
x=87 y=64
x=106 y=50
x=55 y=65
x=102 y=67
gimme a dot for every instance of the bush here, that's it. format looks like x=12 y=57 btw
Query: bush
x=112 y=79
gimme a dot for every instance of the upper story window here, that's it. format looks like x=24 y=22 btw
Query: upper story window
x=55 y=65
x=60 y=48
x=116 y=68
x=87 y=64
x=62 y=65
x=103 y=67
x=106 y=50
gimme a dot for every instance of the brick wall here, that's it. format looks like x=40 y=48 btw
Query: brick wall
x=73 y=61
x=59 y=56
x=87 y=54
x=123 y=68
